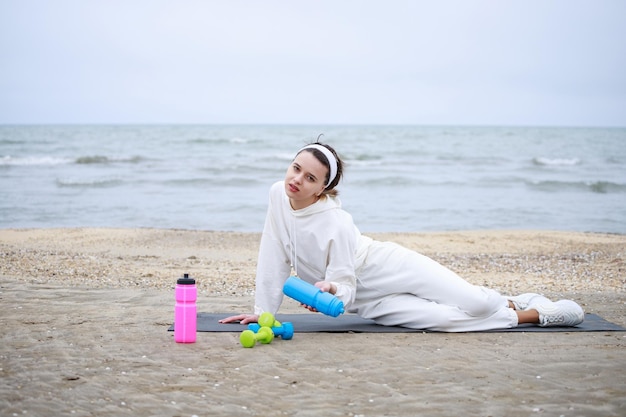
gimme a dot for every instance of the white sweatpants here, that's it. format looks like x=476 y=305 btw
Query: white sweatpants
x=400 y=287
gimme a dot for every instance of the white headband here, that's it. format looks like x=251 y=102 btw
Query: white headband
x=332 y=161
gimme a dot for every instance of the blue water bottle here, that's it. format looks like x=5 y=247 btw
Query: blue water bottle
x=312 y=296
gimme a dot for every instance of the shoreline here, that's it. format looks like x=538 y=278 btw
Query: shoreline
x=224 y=262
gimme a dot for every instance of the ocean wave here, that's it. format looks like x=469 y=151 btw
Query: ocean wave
x=10 y=142
x=188 y=182
x=8 y=160
x=600 y=187
x=542 y=161
x=219 y=141
x=32 y=161
x=364 y=157
x=614 y=160
x=472 y=160
x=238 y=140
x=96 y=159
x=88 y=183
x=387 y=181
x=212 y=181
x=283 y=156
x=101 y=159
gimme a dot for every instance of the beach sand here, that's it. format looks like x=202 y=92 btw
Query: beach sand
x=85 y=314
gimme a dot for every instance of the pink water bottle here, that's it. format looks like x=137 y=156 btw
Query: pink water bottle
x=185 y=311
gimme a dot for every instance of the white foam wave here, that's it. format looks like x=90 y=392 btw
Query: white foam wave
x=556 y=161
x=238 y=140
x=284 y=156
x=8 y=160
x=86 y=182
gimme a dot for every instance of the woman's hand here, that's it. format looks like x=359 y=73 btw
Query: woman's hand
x=324 y=286
x=241 y=318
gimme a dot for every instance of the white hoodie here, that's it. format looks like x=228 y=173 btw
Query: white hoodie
x=320 y=241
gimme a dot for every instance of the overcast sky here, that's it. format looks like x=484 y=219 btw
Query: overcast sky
x=489 y=62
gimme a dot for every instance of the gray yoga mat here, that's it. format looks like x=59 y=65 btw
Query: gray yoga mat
x=346 y=323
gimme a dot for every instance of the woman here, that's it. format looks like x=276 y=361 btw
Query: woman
x=306 y=233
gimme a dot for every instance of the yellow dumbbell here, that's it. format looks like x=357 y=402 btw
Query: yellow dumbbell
x=248 y=338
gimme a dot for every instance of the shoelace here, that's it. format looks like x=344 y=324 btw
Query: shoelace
x=553 y=317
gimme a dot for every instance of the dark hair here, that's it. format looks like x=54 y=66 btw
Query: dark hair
x=330 y=189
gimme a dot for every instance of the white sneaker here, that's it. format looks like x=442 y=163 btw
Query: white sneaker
x=560 y=313
x=524 y=301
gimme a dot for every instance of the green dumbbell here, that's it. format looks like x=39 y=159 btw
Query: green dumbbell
x=248 y=338
x=267 y=320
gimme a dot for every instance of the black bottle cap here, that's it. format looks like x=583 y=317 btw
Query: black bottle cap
x=185 y=280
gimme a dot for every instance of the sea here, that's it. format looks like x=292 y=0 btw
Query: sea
x=396 y=179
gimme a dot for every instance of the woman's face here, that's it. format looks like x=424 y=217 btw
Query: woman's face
x=305 y=180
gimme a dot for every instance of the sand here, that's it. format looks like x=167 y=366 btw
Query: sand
x=85 y=314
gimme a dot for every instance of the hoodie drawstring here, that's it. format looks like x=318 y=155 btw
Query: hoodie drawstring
x=294 y=242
